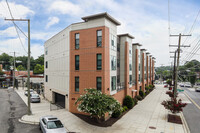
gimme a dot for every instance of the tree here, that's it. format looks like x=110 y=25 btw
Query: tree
x=38 y=69
x=21 y=68
x=96 y=103
x=192 y=78
x=40 y=60
x=5 y=60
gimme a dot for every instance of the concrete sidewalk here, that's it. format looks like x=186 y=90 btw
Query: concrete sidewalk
x=148 y=113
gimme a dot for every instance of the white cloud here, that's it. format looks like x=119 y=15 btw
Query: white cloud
x=9 y=32
x=65 y=7
x=42 y=35
x=11 y=45
x=52 y=21
x=37 y=50
x=18 y=10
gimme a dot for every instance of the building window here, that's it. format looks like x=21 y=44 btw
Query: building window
x=99 y=61
x=139 y=78
x=77 y=41
x=99 y=38
x=113 y=83
x=130 y=79
x=130 y=67
x=76 y=62
x=46 y=78
x=113 y=42
x=113 y=63
x=76 y=84
x=99 y=83
x=46 y=64
x=139 y=67
x=46 y=51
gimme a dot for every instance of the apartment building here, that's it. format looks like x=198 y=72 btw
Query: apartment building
x=90 y=54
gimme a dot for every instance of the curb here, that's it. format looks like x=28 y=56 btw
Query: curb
x=28 y=122
x=185 y=125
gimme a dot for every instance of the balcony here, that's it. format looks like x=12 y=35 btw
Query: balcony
x=120 y=86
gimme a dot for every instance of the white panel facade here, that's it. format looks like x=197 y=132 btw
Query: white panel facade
x=57 y=56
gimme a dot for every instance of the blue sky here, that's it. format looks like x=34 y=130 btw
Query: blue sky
x=146 y=20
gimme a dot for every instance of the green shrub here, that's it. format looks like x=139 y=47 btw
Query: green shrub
x=147 y=88
x=138 y=97
x=135 y=100
x=96 y=103
x=125 y=108
x=116 y=113
x=128 y=101
x=151 y=86
x=147 y=92
x=141 y=93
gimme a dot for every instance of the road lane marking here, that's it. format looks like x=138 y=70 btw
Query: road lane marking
x=192 y=100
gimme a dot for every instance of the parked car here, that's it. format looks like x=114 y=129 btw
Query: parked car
x=182 y=85
x=197 y=89
x=188 y=85
x=51 y=124
x=165 y=86
x=35 y=98
x=26 y=92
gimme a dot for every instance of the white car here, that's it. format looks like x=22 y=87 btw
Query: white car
x=26 y=92
x=188 y=85
x=197 y=89
x=51 y=124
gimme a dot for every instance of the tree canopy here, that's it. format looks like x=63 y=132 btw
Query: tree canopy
x=7 y=61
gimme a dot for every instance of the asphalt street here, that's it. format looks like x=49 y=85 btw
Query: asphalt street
x=12 y=108
x=191 y=112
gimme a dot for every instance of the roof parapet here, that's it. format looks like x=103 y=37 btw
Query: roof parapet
x=101 y=15
x=126 y=34
x=137 y=44
x=143 y=50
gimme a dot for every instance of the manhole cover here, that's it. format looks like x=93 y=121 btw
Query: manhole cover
x=152 y=127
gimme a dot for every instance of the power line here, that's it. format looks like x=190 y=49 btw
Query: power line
x=16 y=27
x=192 y=27
x=194 y=50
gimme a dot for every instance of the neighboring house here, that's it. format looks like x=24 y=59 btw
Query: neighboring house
x=90 y=54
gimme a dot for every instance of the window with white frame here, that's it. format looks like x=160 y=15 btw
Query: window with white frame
x=113 y=42
x=113 y=63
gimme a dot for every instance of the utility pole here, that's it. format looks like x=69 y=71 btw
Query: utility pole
x=28 y=67
x=177 y=67
x=14 y=71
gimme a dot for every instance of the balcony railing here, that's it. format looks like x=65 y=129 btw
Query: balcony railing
x=120 y=86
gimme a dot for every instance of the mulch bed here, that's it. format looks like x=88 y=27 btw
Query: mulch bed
x=174 y=119
x=93 y=121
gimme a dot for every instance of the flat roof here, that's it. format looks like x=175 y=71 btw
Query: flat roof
x=100 y=15
x=137 y=44
x=127 y=34
x=147 y=53
x=143 y=50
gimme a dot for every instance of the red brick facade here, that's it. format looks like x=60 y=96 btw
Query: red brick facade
x=88 y=67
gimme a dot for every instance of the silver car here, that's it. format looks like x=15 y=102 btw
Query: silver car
x=35 y=98
x=26 y=92
x=51 y=124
